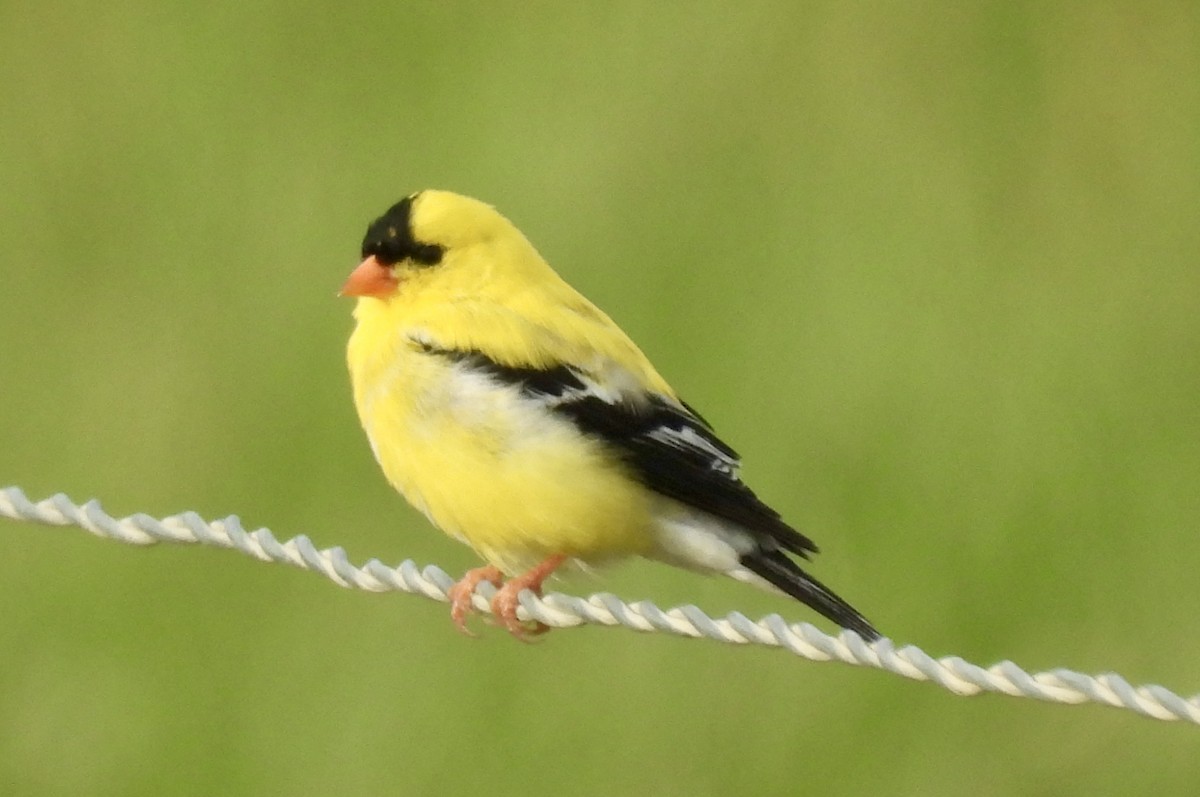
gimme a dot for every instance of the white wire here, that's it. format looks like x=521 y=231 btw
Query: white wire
x=563 y=611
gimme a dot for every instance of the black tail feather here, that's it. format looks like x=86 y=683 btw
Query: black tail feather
x=783 y=573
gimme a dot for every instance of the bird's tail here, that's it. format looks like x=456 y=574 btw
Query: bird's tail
x=776 y=568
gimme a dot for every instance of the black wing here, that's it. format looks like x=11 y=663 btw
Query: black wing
x=669 y=446
x=675 y=453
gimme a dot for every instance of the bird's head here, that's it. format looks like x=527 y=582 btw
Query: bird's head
x=442 y=238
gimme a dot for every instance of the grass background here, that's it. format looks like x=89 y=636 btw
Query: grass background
x=932 y=269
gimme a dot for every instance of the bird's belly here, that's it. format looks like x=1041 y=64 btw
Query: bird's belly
x=505 y=474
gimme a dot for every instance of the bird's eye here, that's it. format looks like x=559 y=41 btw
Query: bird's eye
x=390 y=239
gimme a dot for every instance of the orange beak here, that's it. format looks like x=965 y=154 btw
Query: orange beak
x=370 y=278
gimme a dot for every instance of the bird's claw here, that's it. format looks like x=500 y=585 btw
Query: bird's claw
x=462 y=593
x=505 y=605
x=507 y=599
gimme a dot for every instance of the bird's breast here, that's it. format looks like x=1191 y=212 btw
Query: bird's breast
x=495 y=467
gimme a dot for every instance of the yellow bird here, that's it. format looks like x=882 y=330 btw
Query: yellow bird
x=522 y=421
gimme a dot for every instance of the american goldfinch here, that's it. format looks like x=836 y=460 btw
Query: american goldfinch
x=522 y=421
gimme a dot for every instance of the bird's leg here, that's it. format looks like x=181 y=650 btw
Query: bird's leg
x=460 y=594
x=507 y=599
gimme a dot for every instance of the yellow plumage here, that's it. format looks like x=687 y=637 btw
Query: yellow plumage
x=477 y=466
x=519 y=418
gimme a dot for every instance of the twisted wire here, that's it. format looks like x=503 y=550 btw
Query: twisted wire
x=563 y=611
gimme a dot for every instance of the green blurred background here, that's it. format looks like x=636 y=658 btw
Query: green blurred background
x=932 y=269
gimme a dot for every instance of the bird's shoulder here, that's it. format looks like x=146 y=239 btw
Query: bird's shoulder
x=534 y=330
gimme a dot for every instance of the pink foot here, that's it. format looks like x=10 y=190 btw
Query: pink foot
x=460 y=594
x=507 y=599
